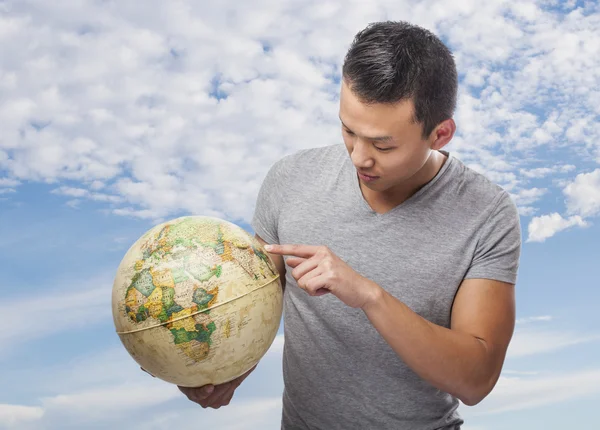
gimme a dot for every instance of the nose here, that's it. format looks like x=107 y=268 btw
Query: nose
x=361 y=158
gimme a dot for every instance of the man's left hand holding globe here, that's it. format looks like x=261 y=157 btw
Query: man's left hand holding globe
x=214 y=396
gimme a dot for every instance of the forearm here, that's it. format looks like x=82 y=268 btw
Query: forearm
x=454 y=362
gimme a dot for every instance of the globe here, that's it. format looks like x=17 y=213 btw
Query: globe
x=196 y=300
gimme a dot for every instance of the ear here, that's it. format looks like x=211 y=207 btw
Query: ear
x=442 y=134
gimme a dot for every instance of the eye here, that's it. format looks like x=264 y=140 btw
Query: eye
x=383 y=149
x=348 y=132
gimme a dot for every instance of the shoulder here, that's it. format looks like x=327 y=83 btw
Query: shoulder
x=307 y=161
x=317 y=155
x=476 y=192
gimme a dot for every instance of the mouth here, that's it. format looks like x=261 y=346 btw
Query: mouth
x=367 y=178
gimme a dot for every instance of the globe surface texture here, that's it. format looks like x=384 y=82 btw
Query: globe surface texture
x=196 y=300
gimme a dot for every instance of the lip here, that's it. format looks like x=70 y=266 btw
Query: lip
x=367 y=178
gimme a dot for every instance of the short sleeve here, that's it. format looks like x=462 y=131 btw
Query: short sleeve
x=499 y=246
x=270 y=198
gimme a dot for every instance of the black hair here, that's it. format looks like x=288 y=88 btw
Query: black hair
x=393 y=61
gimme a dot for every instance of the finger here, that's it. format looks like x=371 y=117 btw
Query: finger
x=207 y=401
x=225 y=398
x=197 y=394
x=317 y=285
x=304 y=280
x=228 y=396
x=305 y=267
x=294 y=261
x=214 y=401
x=305 y=251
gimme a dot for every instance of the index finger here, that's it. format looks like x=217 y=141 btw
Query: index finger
x=304 y=251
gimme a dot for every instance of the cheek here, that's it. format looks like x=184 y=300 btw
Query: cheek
x=399 y=165
x=395 y=163
x=412 y=157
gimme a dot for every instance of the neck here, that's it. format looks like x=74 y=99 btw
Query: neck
x=387 y=200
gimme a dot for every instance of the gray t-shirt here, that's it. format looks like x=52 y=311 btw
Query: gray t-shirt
x=339 y=373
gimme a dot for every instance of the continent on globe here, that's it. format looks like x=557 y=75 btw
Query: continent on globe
x=196 y=300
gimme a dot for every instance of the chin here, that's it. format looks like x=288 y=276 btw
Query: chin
x=375 y=186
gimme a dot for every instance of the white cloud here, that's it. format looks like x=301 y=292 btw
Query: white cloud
x=518 y=393
x=582 y=200
x=105 y=403
x=83 y=193
x=12 y=416
x=526 y=197
x=545 y=226
x=527 y=320
x=542 y=172
x=532 y=338
x=123 y=100
x=519 y=372
x=583 y=194
x=108 y=387
x=71 y=308
x=248 y=414
x=533 y=341
x=527 y=210
x=8 y=182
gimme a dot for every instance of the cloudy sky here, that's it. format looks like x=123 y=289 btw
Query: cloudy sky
x=117 y=115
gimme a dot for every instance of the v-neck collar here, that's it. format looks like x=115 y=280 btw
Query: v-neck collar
x=365 y=205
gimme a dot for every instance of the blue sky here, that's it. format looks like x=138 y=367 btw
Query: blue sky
x=115 y=117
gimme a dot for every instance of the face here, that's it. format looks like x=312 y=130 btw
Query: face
x=383 y=142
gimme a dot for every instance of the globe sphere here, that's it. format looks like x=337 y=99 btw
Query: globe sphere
x=196 y=300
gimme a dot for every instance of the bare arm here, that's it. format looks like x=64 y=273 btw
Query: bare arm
x=465 y=360
x=278 y=260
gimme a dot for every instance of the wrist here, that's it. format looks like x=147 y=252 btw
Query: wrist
x=374 y=297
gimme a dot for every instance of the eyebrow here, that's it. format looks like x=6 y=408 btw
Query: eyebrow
x=386 y=139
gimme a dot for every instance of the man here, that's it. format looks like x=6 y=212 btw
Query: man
x=399 y=262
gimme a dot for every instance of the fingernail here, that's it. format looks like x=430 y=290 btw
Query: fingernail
x=269 y=247
x=209 y=390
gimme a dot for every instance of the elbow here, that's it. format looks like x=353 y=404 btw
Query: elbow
x=472 y=400
x=477 y=392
